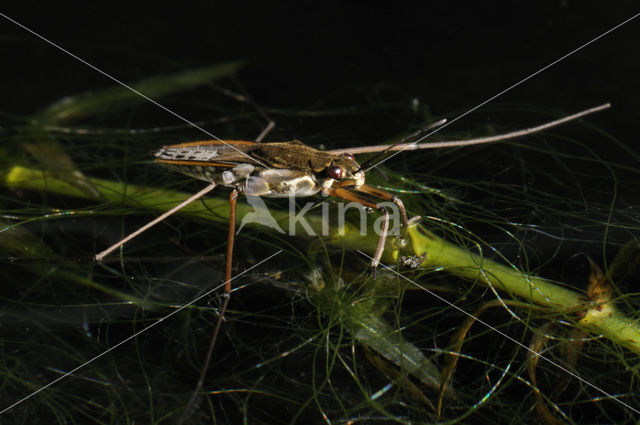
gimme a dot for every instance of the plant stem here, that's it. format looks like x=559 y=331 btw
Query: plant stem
x=595 y=318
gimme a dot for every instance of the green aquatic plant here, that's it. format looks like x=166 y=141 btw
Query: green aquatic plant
x=315 y=337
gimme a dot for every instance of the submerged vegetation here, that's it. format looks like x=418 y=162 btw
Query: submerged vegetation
x=537 y=239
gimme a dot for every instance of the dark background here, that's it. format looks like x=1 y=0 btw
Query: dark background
x=450 y=55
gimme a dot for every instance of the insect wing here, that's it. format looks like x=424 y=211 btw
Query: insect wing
x=203 y=160
x=223 y=153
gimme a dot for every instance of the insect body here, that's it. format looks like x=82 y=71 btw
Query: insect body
x=263 y=169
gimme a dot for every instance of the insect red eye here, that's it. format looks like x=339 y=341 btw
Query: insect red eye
x=349 y=156
x=335 y=172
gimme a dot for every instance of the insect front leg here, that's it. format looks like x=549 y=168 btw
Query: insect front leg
x=383 y=194
x=354 y=197
x=383 y=238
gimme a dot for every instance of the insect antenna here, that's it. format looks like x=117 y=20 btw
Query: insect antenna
x=477 y=141
x=413 y=136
